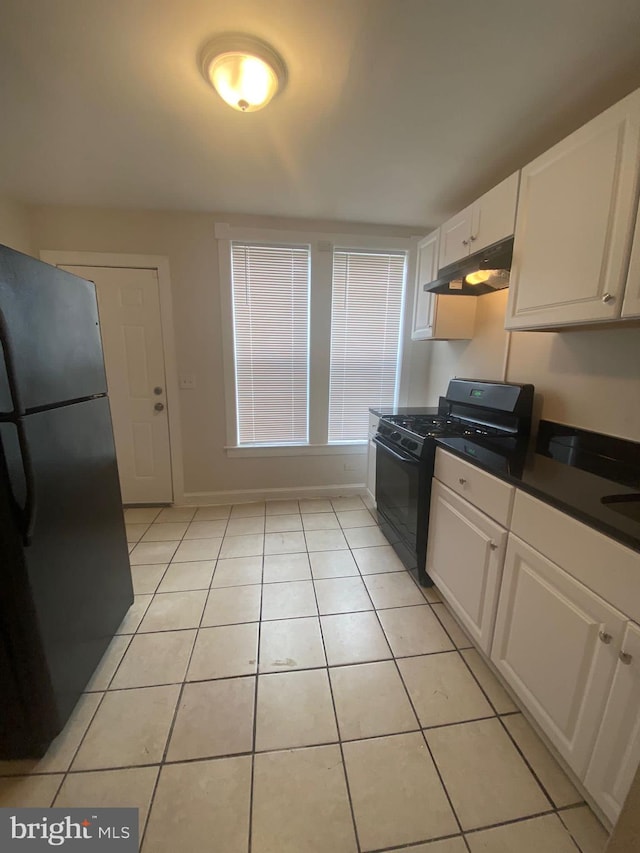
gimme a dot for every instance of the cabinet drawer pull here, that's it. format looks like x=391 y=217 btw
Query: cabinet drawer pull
x=606 y=638
x=462 y=481
x=625 y=657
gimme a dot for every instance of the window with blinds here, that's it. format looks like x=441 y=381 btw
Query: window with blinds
x=365 y=334
x=271 y=342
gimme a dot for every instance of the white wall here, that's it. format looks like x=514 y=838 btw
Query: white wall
x=588 y=378
x=187 y=239
x=15 y=228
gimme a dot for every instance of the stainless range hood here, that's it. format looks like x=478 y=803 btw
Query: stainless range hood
x=482 y=272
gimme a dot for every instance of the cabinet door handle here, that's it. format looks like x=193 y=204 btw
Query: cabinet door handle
x=607 y=297
x=462 y=481
x=465 y=242
x=493 y=546
x=625 y=657
x=606 y=638
x=159 y=407
x=473 y=237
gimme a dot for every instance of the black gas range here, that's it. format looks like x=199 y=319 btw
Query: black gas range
x=494 y=416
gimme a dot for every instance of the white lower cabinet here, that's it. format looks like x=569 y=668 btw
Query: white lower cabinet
x=616 y=754
x=464 y=558
x=556 y=644
x=551 y=603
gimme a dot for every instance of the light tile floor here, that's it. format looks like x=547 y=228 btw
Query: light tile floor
x=281 y=685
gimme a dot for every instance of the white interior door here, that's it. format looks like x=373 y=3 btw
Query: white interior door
x=131 y=330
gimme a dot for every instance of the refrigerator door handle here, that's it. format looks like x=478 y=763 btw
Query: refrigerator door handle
x=9 y=366
x=29 y=512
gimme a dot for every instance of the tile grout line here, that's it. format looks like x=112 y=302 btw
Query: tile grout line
x=255 y=709
x=177 y=706
x=335 y=716
x=514 y=821
x=417 y=716
x=554 y=808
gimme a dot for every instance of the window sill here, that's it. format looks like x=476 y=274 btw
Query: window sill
x=353 y=448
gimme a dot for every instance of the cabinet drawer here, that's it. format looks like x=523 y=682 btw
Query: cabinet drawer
x=605 y=566
x=488 y=493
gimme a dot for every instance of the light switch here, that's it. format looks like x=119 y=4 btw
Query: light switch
x=187 y=381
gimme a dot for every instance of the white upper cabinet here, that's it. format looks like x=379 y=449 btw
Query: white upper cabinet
x=494 y=214
x=631 y=304
x=576 y=213
x=456 y=237
x=424 y=303
x=489 y=219
x=438 y=317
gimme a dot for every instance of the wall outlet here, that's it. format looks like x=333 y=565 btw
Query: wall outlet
x=187 y=381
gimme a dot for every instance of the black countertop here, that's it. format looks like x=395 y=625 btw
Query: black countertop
x=576 y=492
x=528 y=465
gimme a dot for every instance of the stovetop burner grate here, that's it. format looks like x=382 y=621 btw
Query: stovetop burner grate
x=441 y=425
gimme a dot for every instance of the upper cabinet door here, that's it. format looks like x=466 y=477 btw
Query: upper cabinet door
x=424 y=303
x=455 y=237
x=494 y=214
x=631 y=304
x=574 y=224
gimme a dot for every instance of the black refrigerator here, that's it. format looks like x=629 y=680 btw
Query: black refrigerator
x=65 y=581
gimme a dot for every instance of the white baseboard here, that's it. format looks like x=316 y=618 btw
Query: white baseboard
x=239 y=496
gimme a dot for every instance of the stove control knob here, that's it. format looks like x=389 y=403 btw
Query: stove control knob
x=395 y=436
x=412 y=445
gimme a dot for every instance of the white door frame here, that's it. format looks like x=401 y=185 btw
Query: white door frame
x=161 y=265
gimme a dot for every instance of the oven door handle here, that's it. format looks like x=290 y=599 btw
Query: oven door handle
x=401 y=456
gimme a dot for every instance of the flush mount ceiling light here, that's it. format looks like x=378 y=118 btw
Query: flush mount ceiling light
x=243 y=70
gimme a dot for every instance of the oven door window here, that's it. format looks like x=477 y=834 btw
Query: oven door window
x=397 y=493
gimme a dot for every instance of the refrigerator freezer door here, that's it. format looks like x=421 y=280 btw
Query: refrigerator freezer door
x=51 y=350
x=77 y=564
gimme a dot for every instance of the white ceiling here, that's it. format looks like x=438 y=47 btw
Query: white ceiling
x=396 y=111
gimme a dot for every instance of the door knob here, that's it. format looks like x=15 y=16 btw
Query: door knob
x=157 y=390
x=159 y=407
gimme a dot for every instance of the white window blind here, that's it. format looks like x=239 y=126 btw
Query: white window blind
x=271 y=342
x=365 y=332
